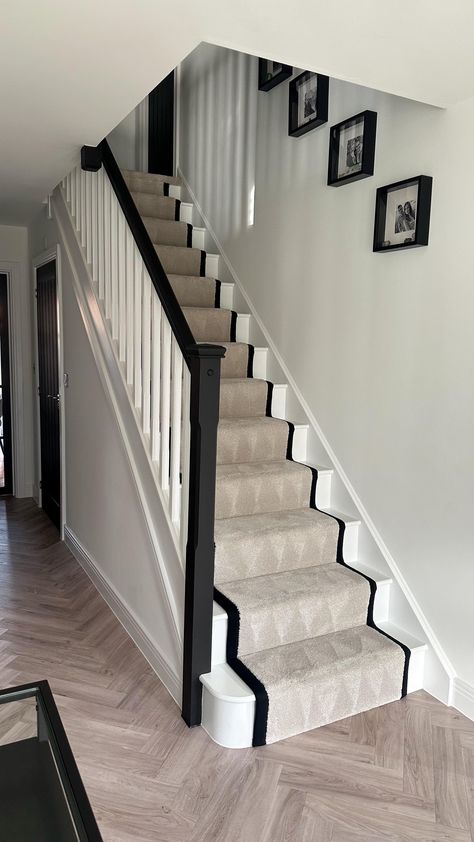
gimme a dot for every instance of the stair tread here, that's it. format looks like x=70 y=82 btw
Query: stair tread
x=168 y=179
x=255 y=544
x=293 y=585
x=326 y=678
x=279 y=467
x=252 y=439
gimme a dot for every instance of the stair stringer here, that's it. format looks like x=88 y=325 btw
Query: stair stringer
x=168 y=567
x=404 y=610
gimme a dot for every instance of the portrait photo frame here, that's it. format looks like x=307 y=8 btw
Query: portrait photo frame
x=352 y=149
x=402 y=214
x=272 y=73
x=307 y=102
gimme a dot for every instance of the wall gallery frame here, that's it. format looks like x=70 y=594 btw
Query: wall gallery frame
x=271 y=73
x=308 y=103
x=352 y=149
x=402 y=214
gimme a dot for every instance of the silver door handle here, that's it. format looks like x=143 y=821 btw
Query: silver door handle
x=54 y=397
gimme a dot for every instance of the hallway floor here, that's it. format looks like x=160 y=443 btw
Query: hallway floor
x=402 y=772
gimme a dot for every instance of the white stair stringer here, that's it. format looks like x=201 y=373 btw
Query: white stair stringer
x=168 y=565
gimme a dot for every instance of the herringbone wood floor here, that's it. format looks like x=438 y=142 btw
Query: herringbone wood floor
x=402 y=772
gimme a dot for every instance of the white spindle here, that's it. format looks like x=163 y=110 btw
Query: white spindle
x=88 y=212
x=165 y=404
x=100 y=234
x=121 y=266
x=129 y=296
x=107 y=256
x=155 y=378
x=176 y=392
x=146 y=354
x=68 y=188
x=82 y=228
x=113 y=264
x=77 y=214
x=137 y=351
x=94 y=220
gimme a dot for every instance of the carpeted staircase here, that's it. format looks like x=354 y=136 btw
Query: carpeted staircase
x=300 y=628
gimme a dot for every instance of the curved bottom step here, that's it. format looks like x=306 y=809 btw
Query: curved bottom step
x=228 y=706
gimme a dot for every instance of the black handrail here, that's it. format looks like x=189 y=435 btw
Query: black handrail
x=204 y=362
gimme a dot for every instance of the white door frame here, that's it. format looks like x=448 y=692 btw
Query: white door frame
x=52 y=253
x=21 y=486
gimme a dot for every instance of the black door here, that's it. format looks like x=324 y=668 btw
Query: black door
x=161 y=127
x=6 y=472
x=48 y=377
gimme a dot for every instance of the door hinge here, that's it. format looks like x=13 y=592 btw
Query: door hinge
x=38 y=390
x=36 y=292
x=41 y=483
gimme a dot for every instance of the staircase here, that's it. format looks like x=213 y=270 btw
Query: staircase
x=295 y=642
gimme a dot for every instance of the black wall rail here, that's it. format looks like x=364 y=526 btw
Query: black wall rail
x=204 y=363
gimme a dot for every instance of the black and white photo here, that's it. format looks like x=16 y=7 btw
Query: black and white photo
x=402 y=214
x=308 y=102
x=271 y=73
x=352 y=149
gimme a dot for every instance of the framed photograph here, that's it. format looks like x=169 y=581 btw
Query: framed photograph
x=402 y=214
x=308 y=103
x=352 y=149
x=271 y=73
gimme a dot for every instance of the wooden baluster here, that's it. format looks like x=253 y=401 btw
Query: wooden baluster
x=165 y=405
x=121 y=266
x=129 y=298
x=176 y=398
x=137 y=352
x=146 y=343
x=114 y=264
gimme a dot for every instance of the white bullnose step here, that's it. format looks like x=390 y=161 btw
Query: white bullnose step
x=186 y=212
x=227 y=295
x=228 y=705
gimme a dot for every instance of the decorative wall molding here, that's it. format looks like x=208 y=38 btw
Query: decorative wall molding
x=148 y=647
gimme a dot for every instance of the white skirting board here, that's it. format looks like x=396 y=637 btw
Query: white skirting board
x=463 y=697
x=125 y=616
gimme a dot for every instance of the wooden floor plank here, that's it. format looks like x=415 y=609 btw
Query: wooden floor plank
x=151 y=779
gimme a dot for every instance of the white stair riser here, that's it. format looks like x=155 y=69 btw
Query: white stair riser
x=259 y=368
x=186 y=212
x=175 y=191
x=212 y=265
x=323 y=489
x=416 y=669
x=300 y=438
x=279 y=400
x=227 y=296
x=242 y=327
x=199 y=238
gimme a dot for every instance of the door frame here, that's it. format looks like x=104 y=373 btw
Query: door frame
x=12 y=363
x=49 y=255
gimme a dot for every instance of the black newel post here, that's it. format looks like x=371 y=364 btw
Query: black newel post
x=205 y=364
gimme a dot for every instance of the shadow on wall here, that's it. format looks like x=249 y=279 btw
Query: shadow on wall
x=221 y=114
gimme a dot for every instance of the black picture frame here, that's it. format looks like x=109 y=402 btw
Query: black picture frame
x=268 y=81
x=365 y=165
x=296 y=127
x=386 y=214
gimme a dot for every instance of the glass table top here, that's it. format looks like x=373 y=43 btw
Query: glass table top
x=42 y=797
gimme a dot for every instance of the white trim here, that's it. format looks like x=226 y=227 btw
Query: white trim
x=128 y=619
x=53 y=253
x=411 y=599
x=463 y=697
x=22 y=487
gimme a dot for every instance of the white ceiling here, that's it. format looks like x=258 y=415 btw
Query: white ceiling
x=69 y=72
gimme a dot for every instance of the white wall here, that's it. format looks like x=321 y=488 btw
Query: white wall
x=103 y=510
x=380 y=345
x=14 y=261
x=129 y=140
